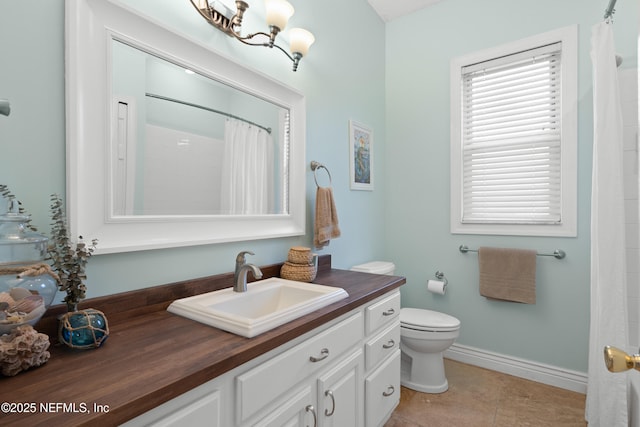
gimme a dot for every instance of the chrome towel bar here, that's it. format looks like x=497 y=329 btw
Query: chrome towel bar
x=558 y=253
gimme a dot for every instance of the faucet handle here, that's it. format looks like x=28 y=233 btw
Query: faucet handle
x=240 y=257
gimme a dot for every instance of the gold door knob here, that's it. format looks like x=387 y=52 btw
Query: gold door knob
x=619 y=361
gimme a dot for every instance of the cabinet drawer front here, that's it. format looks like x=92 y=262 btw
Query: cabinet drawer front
x=382 y=391
x=383 y=344
x=261 y=385
x=383 y=312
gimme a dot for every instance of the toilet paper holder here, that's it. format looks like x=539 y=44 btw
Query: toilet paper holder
x=440 y=276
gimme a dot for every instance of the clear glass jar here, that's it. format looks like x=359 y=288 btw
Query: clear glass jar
x=19 y=248
x=18 y=244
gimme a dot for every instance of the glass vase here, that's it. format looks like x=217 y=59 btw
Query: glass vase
x=83 y=329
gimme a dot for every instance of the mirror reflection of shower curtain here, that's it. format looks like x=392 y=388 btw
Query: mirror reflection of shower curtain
x=607 y=392
x=247 y=170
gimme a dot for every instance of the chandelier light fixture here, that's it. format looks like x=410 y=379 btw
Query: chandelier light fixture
x=278 y=14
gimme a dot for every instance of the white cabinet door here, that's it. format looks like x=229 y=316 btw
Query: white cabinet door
x=382 y=391
x=203 y=412
x=340 y=394
x=298 y=410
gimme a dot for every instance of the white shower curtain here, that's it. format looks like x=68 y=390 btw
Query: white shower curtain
x=247 y=170
x=606 y=392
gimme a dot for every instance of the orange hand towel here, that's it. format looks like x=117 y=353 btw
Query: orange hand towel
x=508 y=274
x=326 y=225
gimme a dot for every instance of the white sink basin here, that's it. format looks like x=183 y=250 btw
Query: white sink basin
x=266 y=304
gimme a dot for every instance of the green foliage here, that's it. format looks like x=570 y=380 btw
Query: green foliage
x=69 y=260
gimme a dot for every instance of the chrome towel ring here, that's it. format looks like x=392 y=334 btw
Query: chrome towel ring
x=317 y=165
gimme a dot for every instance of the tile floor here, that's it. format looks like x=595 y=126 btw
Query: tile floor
x=482 y=398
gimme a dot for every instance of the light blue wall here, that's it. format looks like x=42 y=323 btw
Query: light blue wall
x=342 y=80
x=418 y=52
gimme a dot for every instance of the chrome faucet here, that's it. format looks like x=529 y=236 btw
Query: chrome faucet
x=242 y=268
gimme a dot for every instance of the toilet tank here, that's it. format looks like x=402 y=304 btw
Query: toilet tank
x=376 y=267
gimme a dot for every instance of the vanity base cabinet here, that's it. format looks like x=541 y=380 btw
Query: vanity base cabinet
x=343 y=374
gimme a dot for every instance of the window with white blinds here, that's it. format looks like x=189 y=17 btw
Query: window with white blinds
x=511 y=138
x=514 y=138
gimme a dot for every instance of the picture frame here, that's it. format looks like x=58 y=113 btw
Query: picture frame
x=360 y=156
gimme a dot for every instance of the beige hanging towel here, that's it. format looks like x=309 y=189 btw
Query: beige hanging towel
x=326 y=225
x=508 y=274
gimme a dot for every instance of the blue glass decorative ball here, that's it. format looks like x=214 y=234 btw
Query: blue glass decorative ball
x=84 y=329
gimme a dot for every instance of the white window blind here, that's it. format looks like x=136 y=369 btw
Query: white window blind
x=511 y=136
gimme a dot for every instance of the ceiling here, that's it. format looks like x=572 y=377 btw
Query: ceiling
x=391 y=9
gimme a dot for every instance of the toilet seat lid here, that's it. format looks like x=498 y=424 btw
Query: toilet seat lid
x=428 y=320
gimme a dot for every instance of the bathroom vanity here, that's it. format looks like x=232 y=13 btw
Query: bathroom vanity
x=339 y=365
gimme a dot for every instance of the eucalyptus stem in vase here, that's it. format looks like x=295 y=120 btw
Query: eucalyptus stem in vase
x=69 y=259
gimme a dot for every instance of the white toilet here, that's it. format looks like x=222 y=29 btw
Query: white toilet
x=424 y=336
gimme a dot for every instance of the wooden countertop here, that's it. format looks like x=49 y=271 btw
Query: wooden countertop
x=152 y=356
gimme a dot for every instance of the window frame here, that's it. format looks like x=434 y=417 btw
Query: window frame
x=568 y=37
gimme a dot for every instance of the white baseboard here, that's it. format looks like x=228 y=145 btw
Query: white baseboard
x=527 y=369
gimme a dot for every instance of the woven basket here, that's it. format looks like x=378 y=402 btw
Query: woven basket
x=300 y=255
x=299 y=272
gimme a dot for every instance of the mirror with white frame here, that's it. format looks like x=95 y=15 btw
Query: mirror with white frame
x=172 y=144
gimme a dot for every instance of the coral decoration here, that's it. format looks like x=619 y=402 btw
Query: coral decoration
x=22 y=349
